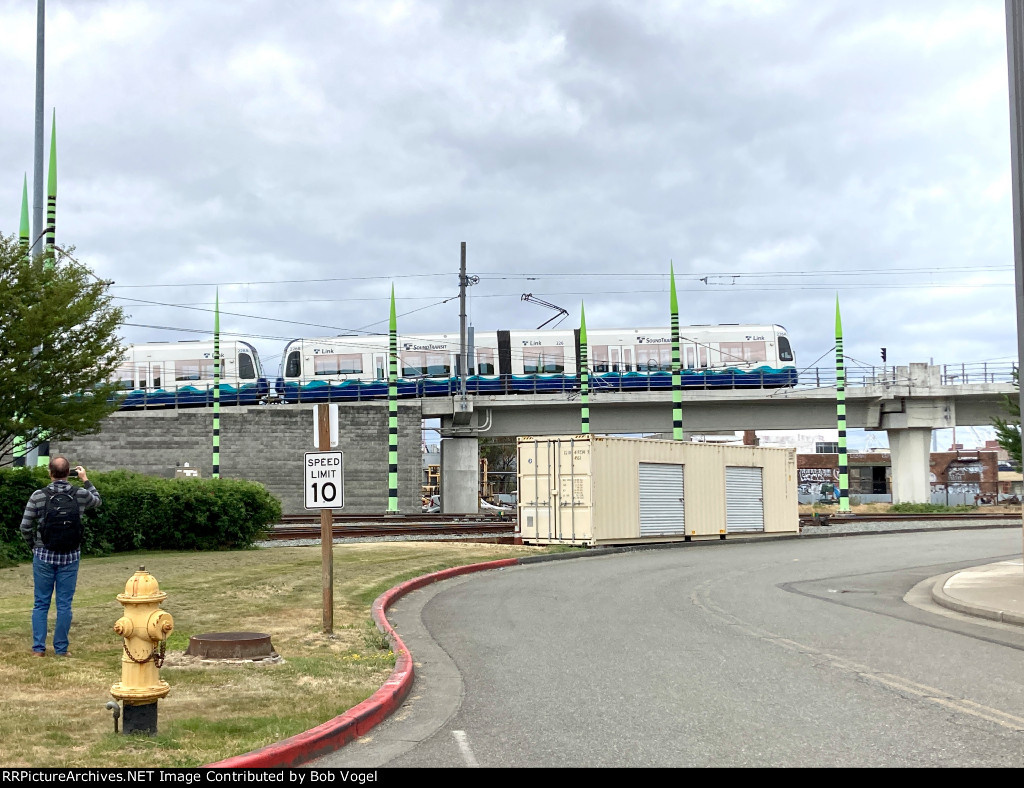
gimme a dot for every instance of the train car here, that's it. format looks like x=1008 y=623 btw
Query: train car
x=719 y=356
x=181 y=373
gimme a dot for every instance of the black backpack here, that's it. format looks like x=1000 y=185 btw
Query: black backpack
x=62 y=528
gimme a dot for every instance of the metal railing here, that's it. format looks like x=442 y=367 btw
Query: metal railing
x=567 y=385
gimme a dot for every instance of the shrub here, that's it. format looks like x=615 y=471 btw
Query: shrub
x=147 y=513
x=929 y=508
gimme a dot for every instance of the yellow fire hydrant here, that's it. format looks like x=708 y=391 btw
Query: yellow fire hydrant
x=144 y=628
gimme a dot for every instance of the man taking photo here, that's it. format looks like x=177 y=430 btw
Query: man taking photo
x=52 y=527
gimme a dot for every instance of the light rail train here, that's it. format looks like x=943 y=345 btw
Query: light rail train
x=181 y=373
x=356 y=367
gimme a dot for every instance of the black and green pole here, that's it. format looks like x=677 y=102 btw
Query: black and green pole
x=216 y=386
x=24 y=234
x=677 y=384
x=43 y=445
x=584 y=376
x=51 y=197
x=393 y=409
x=844 y=470
x=24 y=244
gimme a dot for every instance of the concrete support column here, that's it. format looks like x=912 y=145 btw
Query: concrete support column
x=910 y=449
x=460 y=475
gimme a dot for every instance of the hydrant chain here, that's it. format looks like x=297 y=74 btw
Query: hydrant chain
x=158 y=659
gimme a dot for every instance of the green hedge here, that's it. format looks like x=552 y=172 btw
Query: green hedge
x=146 y=513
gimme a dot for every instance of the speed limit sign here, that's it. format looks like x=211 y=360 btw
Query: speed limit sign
x=325 y=480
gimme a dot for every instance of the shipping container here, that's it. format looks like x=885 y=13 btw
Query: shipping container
x=594 y=490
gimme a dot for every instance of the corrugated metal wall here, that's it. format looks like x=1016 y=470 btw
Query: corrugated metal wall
x=628 y=500
x=744 y=500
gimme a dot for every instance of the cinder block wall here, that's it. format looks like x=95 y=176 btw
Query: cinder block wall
x=264 y=444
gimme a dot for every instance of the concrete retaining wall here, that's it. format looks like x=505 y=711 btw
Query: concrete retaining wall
x=264 y=444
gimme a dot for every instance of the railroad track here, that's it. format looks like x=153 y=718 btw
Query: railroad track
x=363 y=526
x=824 y=519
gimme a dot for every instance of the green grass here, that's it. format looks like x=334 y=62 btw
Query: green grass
x=52 y=712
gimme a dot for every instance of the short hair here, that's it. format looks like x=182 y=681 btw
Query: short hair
x=59 y=468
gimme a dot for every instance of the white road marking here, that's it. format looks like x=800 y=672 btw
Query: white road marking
x=467 y=754
x=701 y=597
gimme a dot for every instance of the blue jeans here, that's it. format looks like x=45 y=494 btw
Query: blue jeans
x=48 y=577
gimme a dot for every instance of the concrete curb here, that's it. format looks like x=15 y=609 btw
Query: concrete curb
x=358 y=720
x=940 y=597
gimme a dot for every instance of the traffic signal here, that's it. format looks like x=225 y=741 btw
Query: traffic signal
x=883 y=354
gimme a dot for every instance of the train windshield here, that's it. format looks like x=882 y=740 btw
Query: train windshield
x=246 y=370
x=785 y=351
x=293 y=368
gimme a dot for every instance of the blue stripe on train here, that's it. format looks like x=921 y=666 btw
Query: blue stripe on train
x=319 y=390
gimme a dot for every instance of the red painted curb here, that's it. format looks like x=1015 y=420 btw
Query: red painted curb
x=355 y=722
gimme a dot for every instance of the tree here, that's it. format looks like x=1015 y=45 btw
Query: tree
x=58 y=347
x=1008 y=430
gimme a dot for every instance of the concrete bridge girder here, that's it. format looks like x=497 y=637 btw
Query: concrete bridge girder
x=907 y=411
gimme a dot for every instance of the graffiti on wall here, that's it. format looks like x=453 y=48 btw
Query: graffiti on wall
x=809 y=480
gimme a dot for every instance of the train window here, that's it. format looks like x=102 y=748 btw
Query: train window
x=597 y=358
x=293 y=368
x=431 y=364
x=438 y=365
x=546 y=360
x=194 y=369
x=739 y=352
x=246 y=370
x=125 y=378
x=155 y=373
x=338 y=364
x=485 y=361
x=703 y=352
x=654 y=358
x=785 y=351
x=691 y=357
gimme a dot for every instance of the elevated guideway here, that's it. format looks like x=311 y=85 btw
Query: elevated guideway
x=906 y=402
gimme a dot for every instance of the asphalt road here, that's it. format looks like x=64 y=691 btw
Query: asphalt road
x=796 y=653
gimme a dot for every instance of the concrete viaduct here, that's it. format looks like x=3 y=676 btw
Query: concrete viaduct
x=267 y=443
x=907 y=405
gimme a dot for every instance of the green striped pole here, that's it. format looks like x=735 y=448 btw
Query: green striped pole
x=584 y=376
x=43 y=444
x=677 y=384
x=51 y=197
x=24 y=242
x=216 y=386
x=24 y=236
x=844 y=471
x=393 y=409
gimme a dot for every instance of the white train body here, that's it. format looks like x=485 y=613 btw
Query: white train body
x=170 y=370
x=739 y=348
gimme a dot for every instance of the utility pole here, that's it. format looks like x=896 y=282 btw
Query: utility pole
x=1015 y=62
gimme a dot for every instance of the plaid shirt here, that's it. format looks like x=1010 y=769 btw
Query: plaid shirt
x=87 y=498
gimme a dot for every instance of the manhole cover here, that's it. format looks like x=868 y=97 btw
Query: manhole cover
x=231 y=645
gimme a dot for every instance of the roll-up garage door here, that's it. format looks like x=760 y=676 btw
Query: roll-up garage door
x=744 y=499
x=661 y=500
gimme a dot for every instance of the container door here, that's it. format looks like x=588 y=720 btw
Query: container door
x=555 y=491
x=572 y=506
x=661 y=500
x=744 y=500
x=535 y=481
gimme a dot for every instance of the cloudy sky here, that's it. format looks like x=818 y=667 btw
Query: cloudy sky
x=305 y=156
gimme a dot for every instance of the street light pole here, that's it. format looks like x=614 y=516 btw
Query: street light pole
x=1015 y=63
